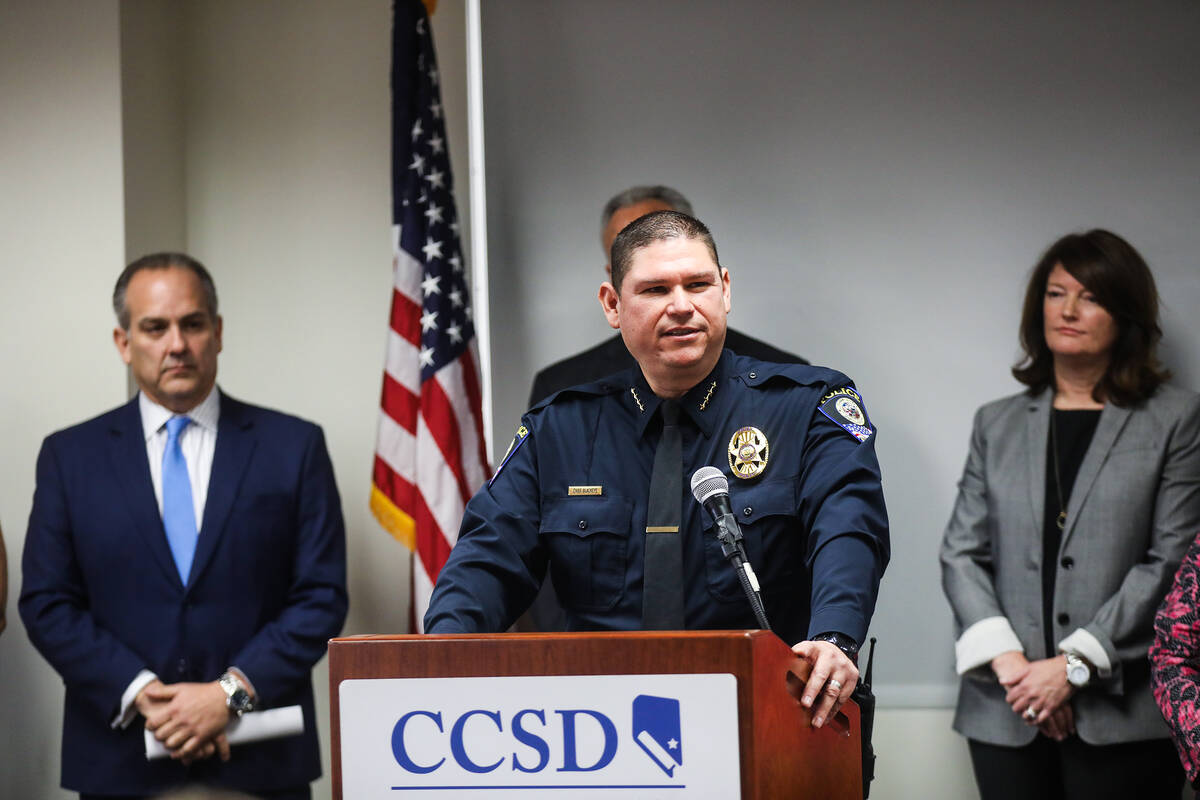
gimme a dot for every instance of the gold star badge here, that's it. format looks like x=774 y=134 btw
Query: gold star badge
x=748 y=453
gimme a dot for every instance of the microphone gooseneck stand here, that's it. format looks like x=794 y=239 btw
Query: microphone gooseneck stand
x=730 y=536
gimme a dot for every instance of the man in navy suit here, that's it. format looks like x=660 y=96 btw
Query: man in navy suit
x=185 y=562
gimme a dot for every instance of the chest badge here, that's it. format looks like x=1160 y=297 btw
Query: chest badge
x=748 y=453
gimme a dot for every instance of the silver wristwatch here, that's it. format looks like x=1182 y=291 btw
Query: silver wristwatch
x=237 y=699
x=1079 y=672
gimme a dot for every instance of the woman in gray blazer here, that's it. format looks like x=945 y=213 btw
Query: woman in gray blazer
x=1077 y=502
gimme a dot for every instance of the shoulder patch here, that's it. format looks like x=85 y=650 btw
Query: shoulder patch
x=518 y=440
x=844 y=407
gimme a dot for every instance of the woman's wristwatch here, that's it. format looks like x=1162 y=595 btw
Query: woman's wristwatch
x=1079 y=671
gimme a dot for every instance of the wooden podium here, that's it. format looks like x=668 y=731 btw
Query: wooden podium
x=781 y=755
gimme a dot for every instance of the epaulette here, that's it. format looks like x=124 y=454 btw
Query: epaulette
x=841 y=403
x=600 y=388
x=761 y=373
x=604 y=386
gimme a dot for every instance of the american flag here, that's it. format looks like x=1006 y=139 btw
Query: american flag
x=430 y=455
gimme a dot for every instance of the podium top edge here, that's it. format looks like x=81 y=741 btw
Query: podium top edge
x=704 y=634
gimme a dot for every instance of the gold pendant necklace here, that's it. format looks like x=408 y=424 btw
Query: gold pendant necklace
x=1061 y=519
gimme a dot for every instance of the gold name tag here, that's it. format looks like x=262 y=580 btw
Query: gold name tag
x=662 y=529
x=578 y=490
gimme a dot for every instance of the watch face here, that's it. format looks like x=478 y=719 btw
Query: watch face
x=1078 y=674
x=240 y=701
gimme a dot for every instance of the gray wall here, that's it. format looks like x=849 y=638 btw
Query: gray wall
x=879 y=178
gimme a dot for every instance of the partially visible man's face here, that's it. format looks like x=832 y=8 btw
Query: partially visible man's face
x=623 y=217
x=172 y=342
x=671 y=312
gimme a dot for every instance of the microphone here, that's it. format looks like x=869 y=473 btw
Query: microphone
x=711 y=489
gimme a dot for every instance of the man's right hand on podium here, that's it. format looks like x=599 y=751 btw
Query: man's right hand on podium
x=831 y=679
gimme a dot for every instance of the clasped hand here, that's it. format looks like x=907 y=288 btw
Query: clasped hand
x=188 y=718
x=1038 y=692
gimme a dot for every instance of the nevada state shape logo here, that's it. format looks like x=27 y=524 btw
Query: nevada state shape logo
x=656 y=730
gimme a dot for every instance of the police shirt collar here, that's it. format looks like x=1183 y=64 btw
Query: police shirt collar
x=698 y=403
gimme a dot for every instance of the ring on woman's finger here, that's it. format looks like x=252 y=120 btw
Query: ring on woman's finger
x=835 y=684
x=1031 y=713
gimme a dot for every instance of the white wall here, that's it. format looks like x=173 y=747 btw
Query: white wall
x=61 y=242
x=257 y=137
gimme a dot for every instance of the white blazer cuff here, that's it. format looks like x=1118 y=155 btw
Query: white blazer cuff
x=1082 y=643
x=983 y=641
x=128 y=709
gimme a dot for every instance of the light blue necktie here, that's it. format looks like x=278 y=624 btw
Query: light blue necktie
x=179 y=515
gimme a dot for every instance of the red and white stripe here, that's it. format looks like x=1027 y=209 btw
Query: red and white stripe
x=430 y=455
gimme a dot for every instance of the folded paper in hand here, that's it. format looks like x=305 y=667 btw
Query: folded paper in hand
x=251 y=727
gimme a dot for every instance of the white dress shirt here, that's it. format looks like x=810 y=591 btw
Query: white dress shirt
x=198 y=441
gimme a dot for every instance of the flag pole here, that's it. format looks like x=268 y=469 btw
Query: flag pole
x=478 y=195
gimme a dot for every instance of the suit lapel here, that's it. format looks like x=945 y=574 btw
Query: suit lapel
x=235 y=445
x=1037 y=430
x=128 y=456
x=1112 y=422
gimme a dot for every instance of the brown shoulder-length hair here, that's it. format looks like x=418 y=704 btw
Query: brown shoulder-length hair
x=1118 y=276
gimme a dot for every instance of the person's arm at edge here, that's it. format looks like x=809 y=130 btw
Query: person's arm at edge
x=1175 y=650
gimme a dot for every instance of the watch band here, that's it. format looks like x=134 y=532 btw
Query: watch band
x=237 y=699
x=843 y=642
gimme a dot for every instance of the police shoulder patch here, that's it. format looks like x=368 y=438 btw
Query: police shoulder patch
x=518 y=440
x=845 y=408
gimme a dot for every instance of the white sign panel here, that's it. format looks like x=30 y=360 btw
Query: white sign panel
x=592 y=736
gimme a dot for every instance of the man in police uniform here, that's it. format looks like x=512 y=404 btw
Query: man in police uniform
x=571 y=494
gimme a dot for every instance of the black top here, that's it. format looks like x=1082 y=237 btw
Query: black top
x=611 y=356
x=1073 y=430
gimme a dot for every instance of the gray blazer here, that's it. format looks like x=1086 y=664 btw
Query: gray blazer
x=1133 y=511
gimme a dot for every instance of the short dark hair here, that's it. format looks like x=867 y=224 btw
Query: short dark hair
x=640 y=194
x=1112 y=270
x=656 y=226
x=162 y=261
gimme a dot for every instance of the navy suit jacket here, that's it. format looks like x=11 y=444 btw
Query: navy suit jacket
x=102 y=599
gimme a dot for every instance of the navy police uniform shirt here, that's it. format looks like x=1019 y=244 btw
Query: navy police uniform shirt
x=570 y=498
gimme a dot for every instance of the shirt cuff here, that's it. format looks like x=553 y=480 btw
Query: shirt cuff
x=1082 y=643
x=128 y=709
x=983 y=641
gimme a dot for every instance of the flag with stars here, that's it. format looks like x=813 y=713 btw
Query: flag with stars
x=429 y=454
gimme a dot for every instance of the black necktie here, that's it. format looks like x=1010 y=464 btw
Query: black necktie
x=662 y=587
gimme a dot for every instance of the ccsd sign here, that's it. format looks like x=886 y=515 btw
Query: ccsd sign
x=599 y=736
